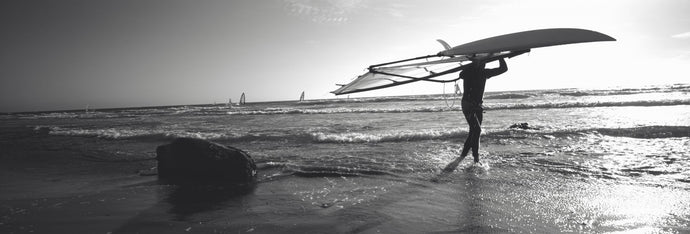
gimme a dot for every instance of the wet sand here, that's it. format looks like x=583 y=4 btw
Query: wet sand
x=63 y=193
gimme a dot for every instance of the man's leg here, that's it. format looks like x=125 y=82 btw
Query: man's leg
x=466 y=147
x=469 y=116
x=475 y=122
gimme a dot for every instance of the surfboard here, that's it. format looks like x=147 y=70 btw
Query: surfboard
x=454 y=59
x=528 y=40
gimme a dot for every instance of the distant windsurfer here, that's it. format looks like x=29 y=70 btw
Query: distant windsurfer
x=474 y=80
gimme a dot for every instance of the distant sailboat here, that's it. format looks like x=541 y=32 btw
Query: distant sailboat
x=242 y=101
x=229 y=105
x=88 y=109
x=301 y=97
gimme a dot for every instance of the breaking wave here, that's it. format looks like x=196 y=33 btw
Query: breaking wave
x=359 y=137
x=321 y=137
x=588 y=104
x=512 y=106
x=647 y=131
x=273 y=111
x=622 y=91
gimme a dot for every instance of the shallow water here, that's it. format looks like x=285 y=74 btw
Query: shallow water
x=597 y=160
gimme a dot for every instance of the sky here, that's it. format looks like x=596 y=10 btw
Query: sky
x=68 y=54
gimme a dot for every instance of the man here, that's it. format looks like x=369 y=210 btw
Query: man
x=474 y=80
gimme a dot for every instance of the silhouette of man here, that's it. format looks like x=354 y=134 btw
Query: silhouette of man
x=474 y=80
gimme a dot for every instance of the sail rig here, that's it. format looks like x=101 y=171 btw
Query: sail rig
x=434 y=68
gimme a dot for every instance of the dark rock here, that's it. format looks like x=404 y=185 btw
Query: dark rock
x=200 y=161
x=524 y=126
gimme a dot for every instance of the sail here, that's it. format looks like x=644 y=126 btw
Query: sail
x=403 y=72
x=434 y=68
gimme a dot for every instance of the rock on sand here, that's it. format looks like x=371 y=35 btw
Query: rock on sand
x=199 y=161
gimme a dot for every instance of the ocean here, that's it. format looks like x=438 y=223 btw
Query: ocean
x=600 y=160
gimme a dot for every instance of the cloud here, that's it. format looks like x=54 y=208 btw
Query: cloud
x=397 y=9
x=324 y=11
x=685 y=35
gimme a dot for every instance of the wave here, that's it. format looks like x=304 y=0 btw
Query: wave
x=647 y=131
x=202 y=110
x=508 y=96
x=339 y=171
x=512 y=106
x=69 y=115
x=588 y=104
x=311 y=136
x=274 y=111
x=299 y=136
x=622 y=91
x=115 y=133
x=321 y=137
x=166 y=134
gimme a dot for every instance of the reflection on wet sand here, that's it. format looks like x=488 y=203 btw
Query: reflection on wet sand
x=178 y=206
x=187 y=200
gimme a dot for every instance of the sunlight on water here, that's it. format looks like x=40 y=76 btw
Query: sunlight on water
x=657 y=161
x=628 y=116
x=644 y=230
x=634 y=206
